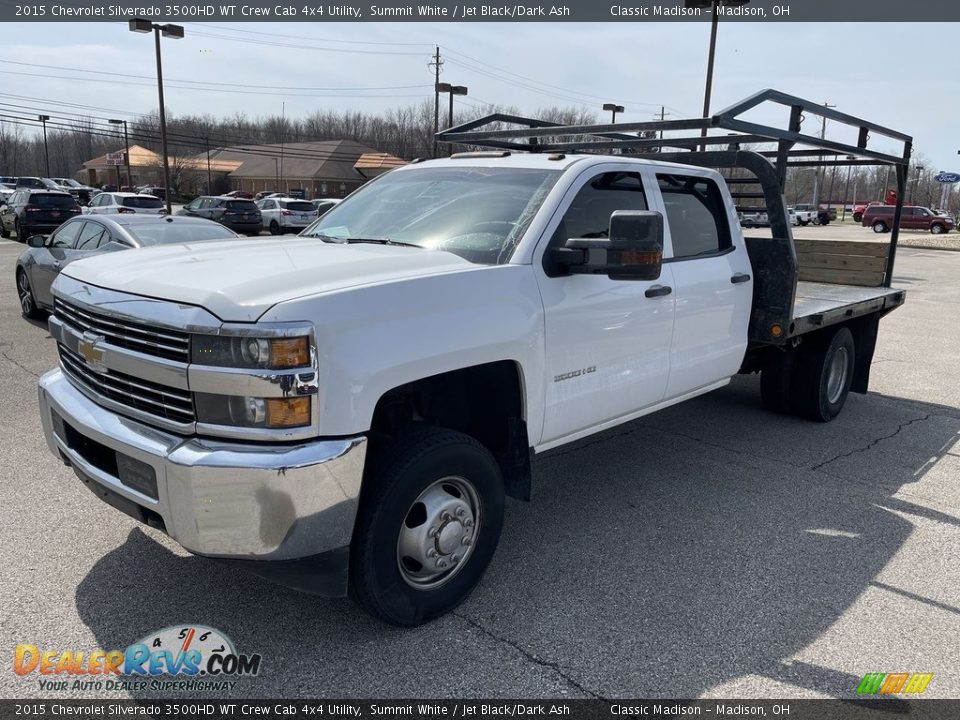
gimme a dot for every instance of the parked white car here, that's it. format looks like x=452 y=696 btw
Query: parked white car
x=110 y=203
x=285 y=214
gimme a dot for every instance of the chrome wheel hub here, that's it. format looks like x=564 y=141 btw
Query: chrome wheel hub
x=438 y=534
x=837 y=375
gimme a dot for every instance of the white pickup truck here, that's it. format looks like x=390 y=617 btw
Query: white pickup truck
x=349 y=408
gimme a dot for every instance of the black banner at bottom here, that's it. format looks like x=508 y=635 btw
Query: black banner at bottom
x=887 y=709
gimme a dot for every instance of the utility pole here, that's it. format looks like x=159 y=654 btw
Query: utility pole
x=663 y=115
x=206 y=142
x=436 y=64
x=283 y=132
x=816 y=178
x=46 y=151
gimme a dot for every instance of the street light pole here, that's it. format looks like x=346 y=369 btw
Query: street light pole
x=126 y=150
x=171 y=31
x=613 y=108
x=452 y=90
x=46 y=151
x=714 y=8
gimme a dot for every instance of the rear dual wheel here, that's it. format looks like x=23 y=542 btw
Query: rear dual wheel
x=811 y=381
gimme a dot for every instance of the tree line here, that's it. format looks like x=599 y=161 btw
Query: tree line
x=406 y=132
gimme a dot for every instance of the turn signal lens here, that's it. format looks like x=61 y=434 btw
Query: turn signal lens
x=288 y=412
x=289 y=352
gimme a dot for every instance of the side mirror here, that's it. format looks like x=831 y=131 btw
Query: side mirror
x=35 y=241
x=632 y=251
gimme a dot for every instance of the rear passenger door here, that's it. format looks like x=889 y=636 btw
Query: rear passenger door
x=712 y=280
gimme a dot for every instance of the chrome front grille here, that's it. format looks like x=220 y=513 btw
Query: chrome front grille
x=159 y=342
x=148 y=397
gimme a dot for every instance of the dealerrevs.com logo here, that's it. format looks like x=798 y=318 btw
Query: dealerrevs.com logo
x=177 y=658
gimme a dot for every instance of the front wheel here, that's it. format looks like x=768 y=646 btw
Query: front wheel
x=938 y=229
x=28 y=303
x=858 y=217
x=429 y=522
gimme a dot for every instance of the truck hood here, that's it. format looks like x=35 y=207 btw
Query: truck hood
x=239 y=280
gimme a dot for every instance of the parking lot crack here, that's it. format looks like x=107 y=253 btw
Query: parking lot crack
x=530 y=657
x=873 y=443
x=19 y=365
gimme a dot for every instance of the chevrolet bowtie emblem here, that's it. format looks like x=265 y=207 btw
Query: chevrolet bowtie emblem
x=89 y=351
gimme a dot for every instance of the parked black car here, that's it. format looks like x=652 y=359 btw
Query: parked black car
x=32 y=183
x=242 y=216
x=84 y=236
x=33 y=212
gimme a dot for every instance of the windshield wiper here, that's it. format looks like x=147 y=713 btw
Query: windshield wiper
x=380 y=241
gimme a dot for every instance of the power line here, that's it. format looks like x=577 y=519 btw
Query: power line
x=136 y=135
x=310 y=38
x=295 y=46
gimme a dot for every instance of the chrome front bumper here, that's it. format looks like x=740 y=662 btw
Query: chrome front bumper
x=238 y=501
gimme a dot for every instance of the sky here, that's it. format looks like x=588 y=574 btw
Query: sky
x=638 y=65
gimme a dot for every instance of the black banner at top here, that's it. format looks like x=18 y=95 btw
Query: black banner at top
x=631 y=11
x=493 y=709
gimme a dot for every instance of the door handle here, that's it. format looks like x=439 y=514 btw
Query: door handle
x=658 y=291
x=740 y=278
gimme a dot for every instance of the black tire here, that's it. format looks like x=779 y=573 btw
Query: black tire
x=938 y=228
x=4 y=233
x=394 y=480
x=879 y=227
x=776 y=381
x=814 y=395
x=804 y=222
x=18 y=232
x=858 y=217
x=274 y=227
x=28 y=302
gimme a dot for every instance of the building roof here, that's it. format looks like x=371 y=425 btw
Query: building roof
x=334 y=160
x=139 y=157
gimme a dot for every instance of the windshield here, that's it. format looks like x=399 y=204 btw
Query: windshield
x=168 y=233
x=144 y=202
x=478 y=213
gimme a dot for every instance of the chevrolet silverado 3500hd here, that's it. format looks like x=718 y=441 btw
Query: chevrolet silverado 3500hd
x=348 y=409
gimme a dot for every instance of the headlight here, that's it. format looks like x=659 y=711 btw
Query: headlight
x=252 y=412
x=251 y=352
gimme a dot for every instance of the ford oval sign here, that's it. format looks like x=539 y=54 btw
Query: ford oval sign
x=948 y=178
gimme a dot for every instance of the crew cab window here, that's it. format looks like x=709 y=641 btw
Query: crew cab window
x=696 y=214
x=589 y=213
x=66 y=237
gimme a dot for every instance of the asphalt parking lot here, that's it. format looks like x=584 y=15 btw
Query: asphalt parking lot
x=710 y=550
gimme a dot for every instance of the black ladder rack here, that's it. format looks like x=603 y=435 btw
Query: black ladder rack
x=777 y=148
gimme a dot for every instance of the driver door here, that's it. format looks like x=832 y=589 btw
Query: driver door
x=607 y=341
x=70 y=242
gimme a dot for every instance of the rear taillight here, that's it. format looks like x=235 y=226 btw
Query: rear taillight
x=287 y=212
x=31 y=208
x=230 y=212
x=125 y=210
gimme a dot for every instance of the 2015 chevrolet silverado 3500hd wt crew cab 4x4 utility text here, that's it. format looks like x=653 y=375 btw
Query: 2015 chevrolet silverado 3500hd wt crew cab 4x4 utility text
x=349 y=408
